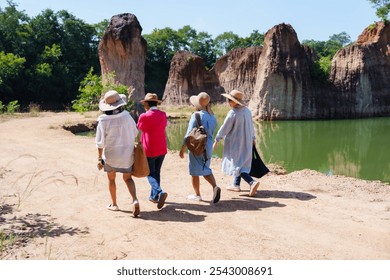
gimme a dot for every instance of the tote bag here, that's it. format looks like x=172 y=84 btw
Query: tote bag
x=258 y=168
x=140 y=166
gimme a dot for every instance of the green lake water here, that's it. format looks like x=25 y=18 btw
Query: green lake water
x=355 y=148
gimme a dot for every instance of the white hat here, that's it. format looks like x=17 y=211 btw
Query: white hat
x=111 y=101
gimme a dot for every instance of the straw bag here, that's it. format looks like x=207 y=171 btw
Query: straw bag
x=140 y=166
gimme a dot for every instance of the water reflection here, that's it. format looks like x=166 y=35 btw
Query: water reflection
x=356 y=148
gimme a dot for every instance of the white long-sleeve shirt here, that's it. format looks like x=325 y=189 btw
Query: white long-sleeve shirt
x=115 y=134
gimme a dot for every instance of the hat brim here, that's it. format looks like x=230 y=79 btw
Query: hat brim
x=103 y=106
x=228 y=96
x=151 y=100
x=195 y=102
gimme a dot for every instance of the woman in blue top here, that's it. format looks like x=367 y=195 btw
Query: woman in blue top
x=238 y=133
x=198 y=165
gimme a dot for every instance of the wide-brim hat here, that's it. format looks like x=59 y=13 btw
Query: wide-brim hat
x=235 y=96
x=151 y=97
x=200 y=101
x=111 y=101
x=124 y=97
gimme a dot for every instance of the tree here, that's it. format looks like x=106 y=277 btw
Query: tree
x=382 y=8
x=228 y=41
x=162 y=45
x=58 y=50
x=203 y=46
x=325 y=51
x=100 y=28
x=11 y=68
x=254 y=39
x=14 y=30
x=225 y=42
x=342 y=38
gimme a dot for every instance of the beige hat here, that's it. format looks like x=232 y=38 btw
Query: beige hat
x=235 y=96
x=151 y=97
x=111 y=101
x=200 y=101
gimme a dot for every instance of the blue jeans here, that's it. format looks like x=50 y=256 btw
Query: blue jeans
x=245 y=176
x=155 y=164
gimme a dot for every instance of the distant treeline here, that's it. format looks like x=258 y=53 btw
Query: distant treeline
x=44 y=59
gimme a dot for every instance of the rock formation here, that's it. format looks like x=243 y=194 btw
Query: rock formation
x=237 y=70
x=122 y=50
x=188 y=75
x=283 y=88
x=277 y=78
x=361 y=74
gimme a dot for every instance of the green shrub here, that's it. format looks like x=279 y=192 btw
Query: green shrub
x=11 y=108
x=91 y=90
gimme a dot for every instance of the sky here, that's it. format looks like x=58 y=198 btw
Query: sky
x=311 y=20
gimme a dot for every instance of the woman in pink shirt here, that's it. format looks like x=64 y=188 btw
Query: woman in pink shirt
x=152 y=123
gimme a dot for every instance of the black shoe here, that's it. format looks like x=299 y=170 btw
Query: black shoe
x=217 y=194
x=161 y=200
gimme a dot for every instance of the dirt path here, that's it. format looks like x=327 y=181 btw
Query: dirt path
x=52 y=206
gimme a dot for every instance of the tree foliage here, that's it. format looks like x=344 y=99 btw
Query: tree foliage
x=11 y=69
x=325 y=50
x=58 y=50
x=382 y=8
x=91 y=90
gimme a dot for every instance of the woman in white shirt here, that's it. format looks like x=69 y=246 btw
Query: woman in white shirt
x=115 y=137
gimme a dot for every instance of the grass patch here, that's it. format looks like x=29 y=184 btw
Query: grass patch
x=6 y=240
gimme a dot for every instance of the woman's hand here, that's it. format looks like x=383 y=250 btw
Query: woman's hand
x=181 y=154
x=100 y=164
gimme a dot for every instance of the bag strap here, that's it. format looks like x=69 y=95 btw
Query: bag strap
x=198 y=122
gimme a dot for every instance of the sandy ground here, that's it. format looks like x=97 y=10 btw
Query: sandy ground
x=53 y=198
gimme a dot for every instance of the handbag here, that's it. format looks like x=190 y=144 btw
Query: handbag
x=258 y=168
x=140 y=166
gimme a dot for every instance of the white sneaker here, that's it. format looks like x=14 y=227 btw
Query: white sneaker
x=254 y=186
x=112 y=207
x=194 y=197
x=136 y=208
x=233 y=188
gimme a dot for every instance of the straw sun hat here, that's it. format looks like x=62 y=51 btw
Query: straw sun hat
x=151 y=97
x=235 y=96
x=200 y=101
